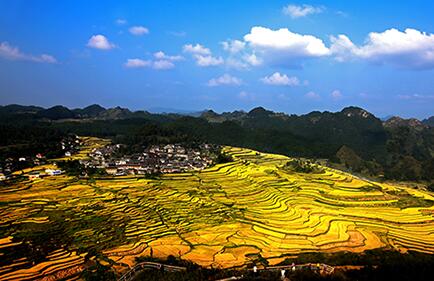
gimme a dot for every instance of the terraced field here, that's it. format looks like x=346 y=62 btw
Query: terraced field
x=224 y=216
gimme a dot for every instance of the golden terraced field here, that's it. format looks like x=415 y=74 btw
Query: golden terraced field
x=224 y=216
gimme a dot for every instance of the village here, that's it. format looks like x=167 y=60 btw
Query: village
x=111 y=160
x=156 y=159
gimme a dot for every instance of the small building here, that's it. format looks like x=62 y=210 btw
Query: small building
x=22 y=159
x=2 y=177
x=53 y=172
x=68 y=154
x=34 y=175
x=111 y=170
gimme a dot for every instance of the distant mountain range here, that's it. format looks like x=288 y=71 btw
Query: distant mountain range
x=352 y=138
x=58 y=112
x=96 y=111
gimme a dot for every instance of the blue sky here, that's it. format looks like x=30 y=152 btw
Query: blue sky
x=290 y=56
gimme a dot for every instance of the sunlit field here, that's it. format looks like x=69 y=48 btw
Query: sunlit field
x=224 y=216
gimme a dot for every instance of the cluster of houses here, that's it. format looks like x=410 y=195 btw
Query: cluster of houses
x=69 y=145
x=48 y=172
x=156 y=159
x=170 y=158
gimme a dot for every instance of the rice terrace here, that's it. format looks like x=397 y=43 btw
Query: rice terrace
x=227 y=215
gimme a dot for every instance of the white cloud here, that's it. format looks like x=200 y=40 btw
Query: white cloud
x=163 y=64
x=342 y=48
x=162 y=56
x=243 y=62
x=138 y=30
x=336 y=94
x=283 y=47
x=236 y=63
x=100 y=42
x=278 y=79
x=208 y=60
x=225 y=79
x=45 y=58
x=202 y=55
x=299 y=11
x=158 y=64
x=411 y=49
x=312 y=95
x=233 y=46
x=284 y=40
x=13 y=53
x=197 y=49
x=121 y=22
x=137 y=63
x=252 y=59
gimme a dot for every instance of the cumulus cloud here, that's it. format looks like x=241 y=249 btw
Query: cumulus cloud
x=100 y=42
x=299 y=11
x=208 y=60
x=236 y=63
x=283 y=47
x=252 y=59
x=243 y=61
x=411 y=49
x=284 y=40
x=336 y=94
x=162 y=56
x=278 y=79
x=202 y=55
x=13 y=53
x=312 y=95
x=137 y=63
x=197 y=49
x=163 y=64
x=233 y=46
x=138 y=30
x=225 y=79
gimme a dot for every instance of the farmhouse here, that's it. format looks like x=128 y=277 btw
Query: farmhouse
x=34 y=175
x=53 y=172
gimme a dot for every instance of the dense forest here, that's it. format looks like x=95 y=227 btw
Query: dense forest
x=351 y=139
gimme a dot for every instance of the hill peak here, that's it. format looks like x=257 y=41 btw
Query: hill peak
x=396 y=121
x=259 y=111
x=356 y=111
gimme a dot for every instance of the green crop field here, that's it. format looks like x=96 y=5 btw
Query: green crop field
x=223 y=216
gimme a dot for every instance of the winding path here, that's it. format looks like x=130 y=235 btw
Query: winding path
x=149 y=265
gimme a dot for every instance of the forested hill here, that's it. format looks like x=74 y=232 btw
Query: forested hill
x=353 y=138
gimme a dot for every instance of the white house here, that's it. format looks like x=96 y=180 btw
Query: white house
x=53 y=172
